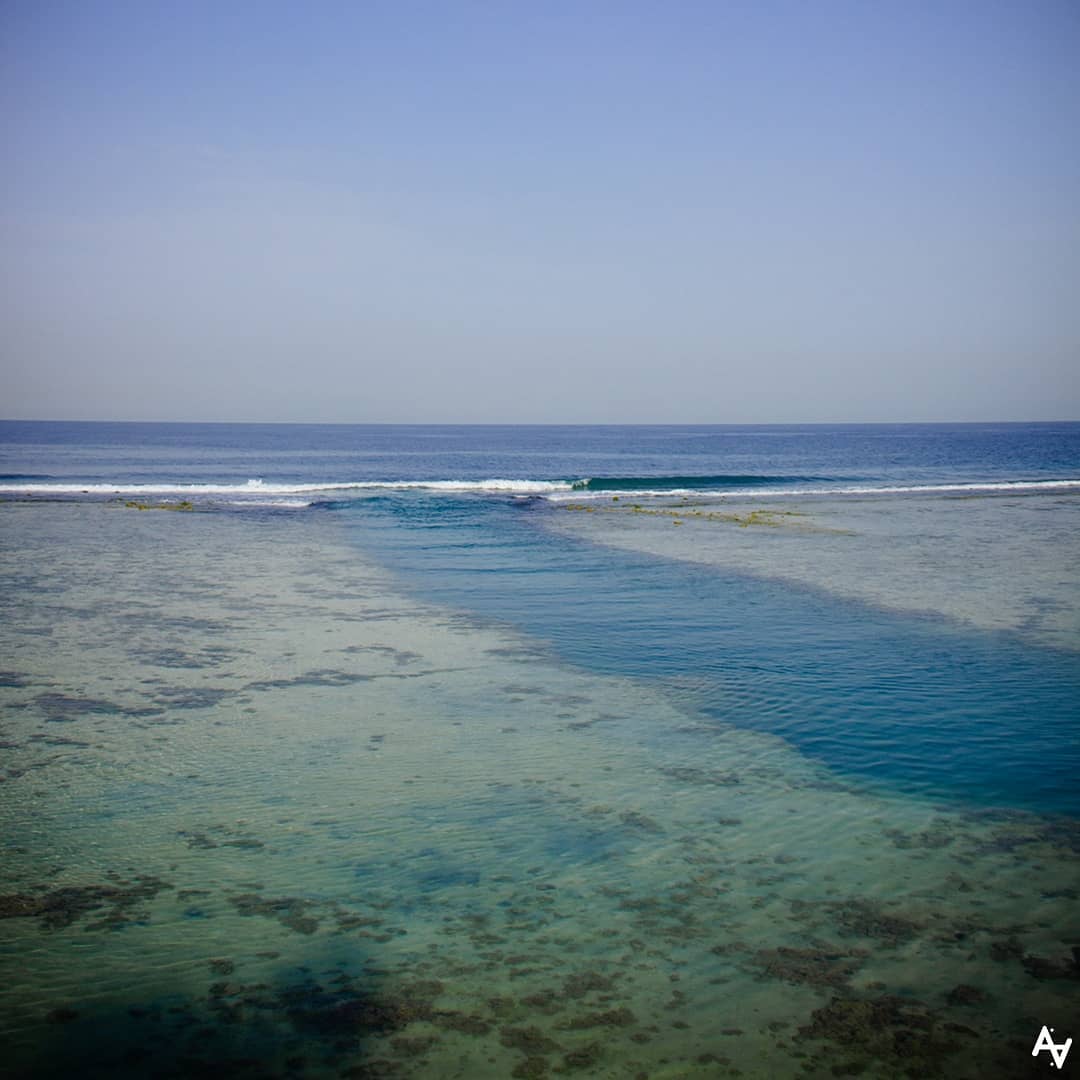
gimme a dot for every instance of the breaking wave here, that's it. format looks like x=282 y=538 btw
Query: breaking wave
x=270 y=493
x=262 y=488
x=722 y=481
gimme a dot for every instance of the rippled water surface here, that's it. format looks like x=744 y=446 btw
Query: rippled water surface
x=461 y=779
x=919 y=703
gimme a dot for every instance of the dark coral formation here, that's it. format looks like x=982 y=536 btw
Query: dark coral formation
x=1042 y=968
x=61 y=708
x=810 y=967
x=290 y=911
x=857 y=917
x=466 y=1023
x=633 y=820
x=61 y=907
x=689 y=774
x=937 y=836
x=898 y=1034
x=965 y=994
x=584 y=1057
x=609 y=1018
x=862 y=918
x=586 y=982
x=531 y=1041
x=352 y=1014
x=1009 y=949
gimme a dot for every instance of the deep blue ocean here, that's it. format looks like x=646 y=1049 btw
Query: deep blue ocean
x=917 y=702
x=280 y=456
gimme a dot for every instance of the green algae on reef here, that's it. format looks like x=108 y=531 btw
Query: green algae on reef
x=771 y=518
x=183 y=504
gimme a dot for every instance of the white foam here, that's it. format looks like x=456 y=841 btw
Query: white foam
x=635 y=493
x=1004 y=487
x=262 y=488
x=553 y=490
x=926 y=489
x=276 y=504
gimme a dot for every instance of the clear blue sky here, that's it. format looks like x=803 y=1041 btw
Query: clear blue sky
x=540 y=212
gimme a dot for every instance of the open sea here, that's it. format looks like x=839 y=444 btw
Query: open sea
x=629 y=752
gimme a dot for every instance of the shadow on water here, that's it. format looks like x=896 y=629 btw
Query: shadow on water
x=295 y=1023
x=316 y=1004
x=910 y=702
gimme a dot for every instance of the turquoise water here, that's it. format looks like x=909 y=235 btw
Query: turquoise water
x=405 y=752
x=913 y=703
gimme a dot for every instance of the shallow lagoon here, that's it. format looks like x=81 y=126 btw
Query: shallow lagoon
x=265 y=814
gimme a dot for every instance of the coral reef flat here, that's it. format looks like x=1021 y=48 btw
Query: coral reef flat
x=264 y=814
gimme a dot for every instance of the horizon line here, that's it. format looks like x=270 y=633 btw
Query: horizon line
x=539 y=424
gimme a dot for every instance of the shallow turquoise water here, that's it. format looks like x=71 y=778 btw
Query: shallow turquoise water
x=451 y=783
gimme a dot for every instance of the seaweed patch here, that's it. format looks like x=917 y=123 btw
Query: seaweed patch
x=58 y=908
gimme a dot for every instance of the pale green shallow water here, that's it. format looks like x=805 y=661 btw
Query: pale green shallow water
x=264 y=815
x=990 y=561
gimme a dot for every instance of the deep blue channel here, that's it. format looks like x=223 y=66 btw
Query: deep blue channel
x=913 y=703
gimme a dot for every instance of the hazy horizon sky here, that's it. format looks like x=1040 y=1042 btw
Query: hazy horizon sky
x=552 y=213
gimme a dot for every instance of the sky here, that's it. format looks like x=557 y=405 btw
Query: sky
x=521 y=212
